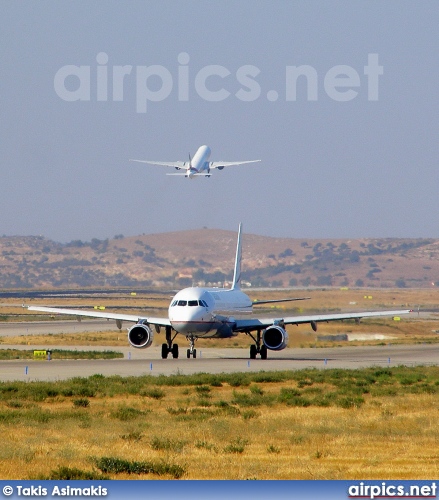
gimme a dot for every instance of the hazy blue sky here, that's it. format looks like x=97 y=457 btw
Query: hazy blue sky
x=329 y=168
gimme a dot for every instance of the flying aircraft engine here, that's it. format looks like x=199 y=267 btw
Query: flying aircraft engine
x=140 y=335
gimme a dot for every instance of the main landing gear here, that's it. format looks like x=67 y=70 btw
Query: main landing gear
x=257 y=348
x=191 y=351
x=169 y=347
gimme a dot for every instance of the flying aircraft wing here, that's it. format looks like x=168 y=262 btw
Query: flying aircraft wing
x=104 y=315
x=247 y=325
x=175 y=164
x=222 y=164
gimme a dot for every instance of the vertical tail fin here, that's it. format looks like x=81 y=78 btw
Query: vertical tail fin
x=236 y=285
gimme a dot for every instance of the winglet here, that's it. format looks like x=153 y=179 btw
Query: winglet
x=236 y=285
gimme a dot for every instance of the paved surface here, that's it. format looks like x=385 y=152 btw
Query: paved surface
x=55 y=326
x=211 y=360
x=147 y=361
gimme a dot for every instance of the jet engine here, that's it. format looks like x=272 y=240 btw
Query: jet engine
x=275 y=338
x=140 y=336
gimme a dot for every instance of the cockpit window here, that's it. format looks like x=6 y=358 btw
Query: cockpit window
x=191 y=303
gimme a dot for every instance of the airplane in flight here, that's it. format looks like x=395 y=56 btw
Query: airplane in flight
x=198 y=312
x=199 y=165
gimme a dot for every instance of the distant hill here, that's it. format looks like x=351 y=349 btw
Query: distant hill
x=206 y=256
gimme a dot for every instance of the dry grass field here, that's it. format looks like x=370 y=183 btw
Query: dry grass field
x=363 y=424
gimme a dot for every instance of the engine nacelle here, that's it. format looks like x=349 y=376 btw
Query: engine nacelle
x=275 y=338
x=140 y=336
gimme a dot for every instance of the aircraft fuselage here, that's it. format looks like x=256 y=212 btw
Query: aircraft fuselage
x=200 y=162
x=208 y=312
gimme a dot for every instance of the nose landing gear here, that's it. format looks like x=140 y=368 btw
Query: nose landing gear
x=191 y=351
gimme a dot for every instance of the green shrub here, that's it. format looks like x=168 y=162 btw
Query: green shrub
x=350 y=402
x=119 y=466
x=255 y=389
x=287 y=393
x=203 y=390
x=132 y=436
x=125 y=413
x=293 y=397
x=304 y=383
x=245 y=399
x=204 y=402
x=238 y=379
x=298 y=401
x=248 y=414
x=236 y=446
x=177 y=411
x=72 y=473
x=81 y=403
x=205 y=445
x=14 y=403
x=273 y=449
x=166 y=444
x=154 y=393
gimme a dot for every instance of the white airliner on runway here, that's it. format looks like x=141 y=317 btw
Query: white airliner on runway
x=198 y=312
x=199 y=165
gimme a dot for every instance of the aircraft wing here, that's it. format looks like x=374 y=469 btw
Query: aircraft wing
x=104 y=315
x=222 y=164
x=258 y=302
x=248 y=325
x=175 y=164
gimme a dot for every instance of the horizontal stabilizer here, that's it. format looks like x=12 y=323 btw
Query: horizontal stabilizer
x=192 y=175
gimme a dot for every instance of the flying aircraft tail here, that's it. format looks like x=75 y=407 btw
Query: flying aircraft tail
x=237 y=272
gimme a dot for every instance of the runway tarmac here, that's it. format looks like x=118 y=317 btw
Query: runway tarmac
x=210 y=360
x=148 y=362
x=10 y=329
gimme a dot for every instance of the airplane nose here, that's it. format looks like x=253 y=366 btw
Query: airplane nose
x=191 y=320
